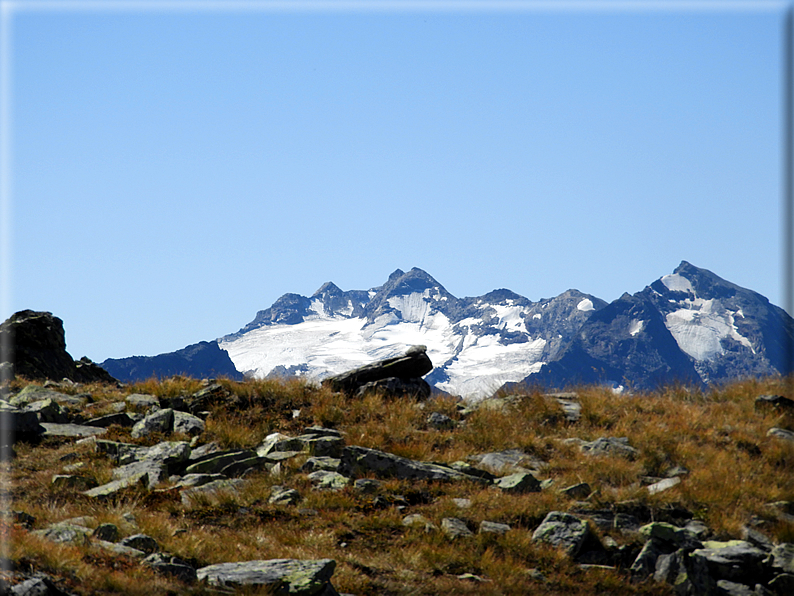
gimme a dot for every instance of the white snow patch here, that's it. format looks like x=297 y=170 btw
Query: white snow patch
x=677 y=283
x=510 y=317
x=636 y=326
x=537 y=315
x=585 y=305
x=413 y=307
x=699 y=327
x=318 y=307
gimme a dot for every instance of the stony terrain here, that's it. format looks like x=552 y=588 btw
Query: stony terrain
x=191 y=487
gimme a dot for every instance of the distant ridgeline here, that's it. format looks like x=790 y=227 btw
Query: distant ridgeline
x=689 y=327
x=202 y=360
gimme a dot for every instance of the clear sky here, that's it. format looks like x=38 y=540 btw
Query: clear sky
x=172 y=168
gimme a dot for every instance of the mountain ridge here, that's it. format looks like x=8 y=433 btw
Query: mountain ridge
x=690 y=327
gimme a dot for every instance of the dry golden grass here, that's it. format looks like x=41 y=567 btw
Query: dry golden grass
x=735 y=471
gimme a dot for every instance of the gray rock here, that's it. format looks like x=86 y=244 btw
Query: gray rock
x=697 y=529
x=281 y=495
x=359 y=461
x=756 y=538
x=285 y=576
x=313 y=464
x=522 y=482
x=610 y=446
x=781 y=433
x=19 y=424
x=244 y=466
x=211 y=489
x=663 y=485
x=170 y=565
x=35 y=586
x=440 y=421
x=727 y=588
x=647 y=560
x=469 y=470
x=322 y=446
x=367 y=486
x=52 y=429
x=511 y=460
x=66 y=531
x=116 y=486
x=149 y=472
x=322 y=479
x=782 y=558
x=124 y=453
x=417 y=388
x=191 y=480
x=412 y=365
x=72 y=481
x=170 y=453
x=277 y=442
x=562 y=530
x=121 y=419
x=626 y=523
x=416 y=520
x=47 y=410
x=215 y=462
x=187 y=424
x=161 y=421
x=455 y=528
x=736 y=560
x=776 y=403
x=489 y=527
x=783 y=584
x=107 y=532
x=33 y=393
x=141 y=542
x=142 y=401
x=577 y=491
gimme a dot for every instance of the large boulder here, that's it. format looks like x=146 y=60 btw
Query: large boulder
x=38 y=344
x=406 y=369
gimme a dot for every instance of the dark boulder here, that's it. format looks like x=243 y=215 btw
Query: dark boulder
x=37 y=343
x=406 y=370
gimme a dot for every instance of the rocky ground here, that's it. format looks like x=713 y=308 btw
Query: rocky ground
x=152 y=470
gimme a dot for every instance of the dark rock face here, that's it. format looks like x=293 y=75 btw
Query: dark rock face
x=201 y=360
x=38 y=344
x=406 y=371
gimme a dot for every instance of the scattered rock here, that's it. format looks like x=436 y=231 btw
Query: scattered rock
x=414 y=364
x=562 y=530
x=776 y=403
x=281 y=495
x=522 y=482
x=288 y=576
x=488 y=527
x=611 y=446
x=141 y=542
x=440 y=421
x=781 y=433
x=161 y=421
x=455 y=528
x=359 y=461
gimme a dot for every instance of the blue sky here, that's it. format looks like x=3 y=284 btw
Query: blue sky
x=174 y=171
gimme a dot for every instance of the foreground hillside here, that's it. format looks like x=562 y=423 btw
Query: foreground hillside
x=391 y=496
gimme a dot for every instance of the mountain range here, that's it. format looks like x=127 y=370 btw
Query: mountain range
x=690 y=327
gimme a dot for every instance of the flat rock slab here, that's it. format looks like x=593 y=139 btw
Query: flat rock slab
x=283 y=576
x=52 y=429
x=358 y=461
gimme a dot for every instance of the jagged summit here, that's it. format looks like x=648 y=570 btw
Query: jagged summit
x=689 y=326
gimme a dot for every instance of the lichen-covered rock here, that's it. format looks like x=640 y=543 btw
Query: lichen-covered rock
x=161 y=421
x=611 y=446
x=141 y=542
x=281 y=495
x=735 y=560
x=283 y=576
x=489 y=527
x=522 y=482
x=562 y=530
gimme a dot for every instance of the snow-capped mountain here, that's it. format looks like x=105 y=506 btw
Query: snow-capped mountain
x=476 y=344
x=690 y=326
